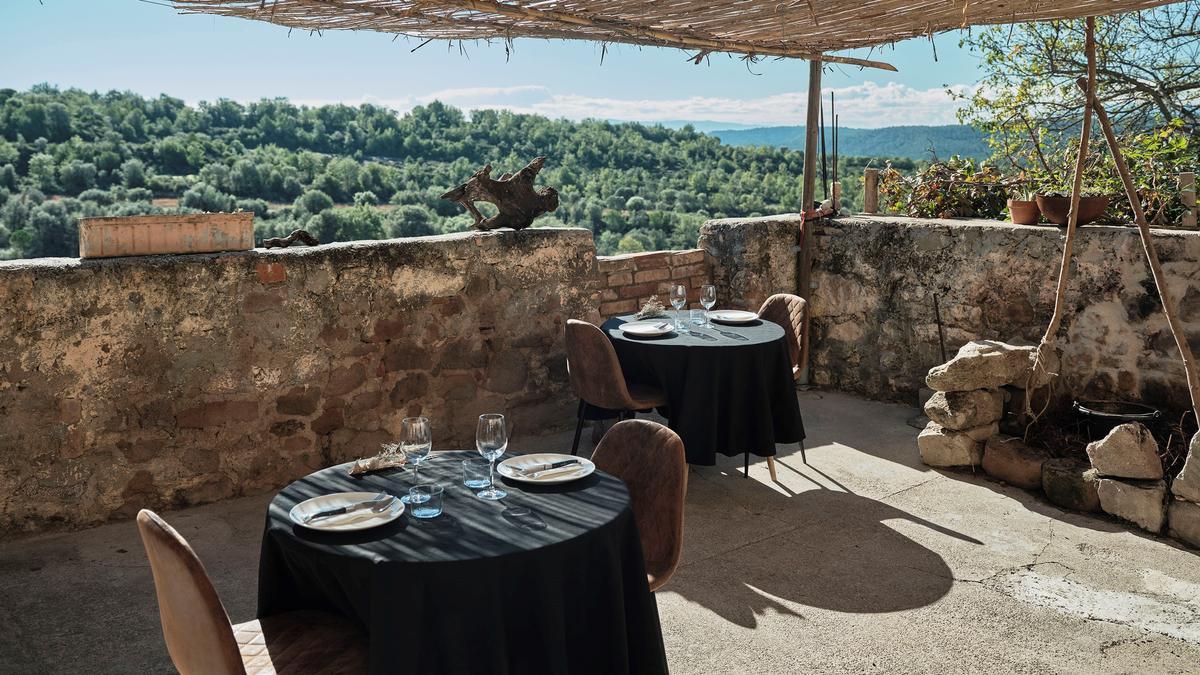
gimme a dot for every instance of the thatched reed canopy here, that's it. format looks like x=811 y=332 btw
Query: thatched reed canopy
x=787 y=28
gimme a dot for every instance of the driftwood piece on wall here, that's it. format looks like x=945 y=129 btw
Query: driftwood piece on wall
x=296 y=236
x=513 y=195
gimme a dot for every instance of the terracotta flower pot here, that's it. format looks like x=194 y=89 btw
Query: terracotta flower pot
x=1023 y=212
x=1056 y=209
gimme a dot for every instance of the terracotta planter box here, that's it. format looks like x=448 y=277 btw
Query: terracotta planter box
x=151 y=235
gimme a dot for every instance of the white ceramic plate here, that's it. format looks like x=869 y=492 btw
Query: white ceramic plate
x=733 y=316
x=647 y=328
x=347 y=522
x=511 y=468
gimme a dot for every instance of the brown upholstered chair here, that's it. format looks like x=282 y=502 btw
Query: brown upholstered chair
x=650 y=459
x=201 y=640
x=791 y=312
x=597 y=379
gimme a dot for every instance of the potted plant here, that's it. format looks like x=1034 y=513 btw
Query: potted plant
x=1024 y=209
x=1056 y=207
x=1054 y=196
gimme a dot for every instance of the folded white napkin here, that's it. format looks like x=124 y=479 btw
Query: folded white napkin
x=560 y=471
x=343 y=519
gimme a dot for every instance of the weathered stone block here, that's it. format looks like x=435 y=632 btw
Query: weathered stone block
x=1142 y=503
x=345 y=380
x=299 y=401
x=1009 y=459
x=943 y=447
x=1128 y=451
x=960 y=410
x=982 y=364
x=1183 y=521
x=328 y=421
x=1187 y=484
x=1070 y=484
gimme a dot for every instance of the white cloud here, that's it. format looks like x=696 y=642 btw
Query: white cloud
x=866 y=105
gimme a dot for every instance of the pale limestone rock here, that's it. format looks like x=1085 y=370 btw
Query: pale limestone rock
x=985 y=364
x=960 y=410
x=1128 y=451
x=1070 y=484
x=945 y=447
x=1187 y=483
x=1142 y=503
x=1007 y=458
x=1183 y=521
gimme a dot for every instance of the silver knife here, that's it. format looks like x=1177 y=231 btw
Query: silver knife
x=379 y=500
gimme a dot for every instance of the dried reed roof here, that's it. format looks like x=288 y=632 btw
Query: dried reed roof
x=788 y=28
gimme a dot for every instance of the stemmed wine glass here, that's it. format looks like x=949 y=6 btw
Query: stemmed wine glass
x=416 y=440
x=678 y=300
x=491 y=439
x=708 y=298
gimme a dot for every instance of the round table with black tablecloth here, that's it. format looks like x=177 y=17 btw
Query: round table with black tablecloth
x=483 y=588
x=729 y=388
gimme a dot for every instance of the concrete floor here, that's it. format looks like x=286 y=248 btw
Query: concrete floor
x=864 y=560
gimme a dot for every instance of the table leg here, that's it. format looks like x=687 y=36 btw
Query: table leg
x=771 y=468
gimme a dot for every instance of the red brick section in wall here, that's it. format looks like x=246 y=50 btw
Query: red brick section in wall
x=627 y=281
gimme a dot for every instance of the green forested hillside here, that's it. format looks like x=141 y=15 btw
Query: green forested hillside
x=913 y=142
x=348 y=173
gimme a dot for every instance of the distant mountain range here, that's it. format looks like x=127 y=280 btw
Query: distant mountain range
x=913 y=142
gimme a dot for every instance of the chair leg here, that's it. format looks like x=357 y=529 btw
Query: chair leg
x=802 y=457
x=771 y=468
x=578 y=429
x=746 y=469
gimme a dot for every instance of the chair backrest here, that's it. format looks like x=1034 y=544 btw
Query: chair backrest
x=593 y=368
x=195 y=625
x=789 y=311
x=650 y=459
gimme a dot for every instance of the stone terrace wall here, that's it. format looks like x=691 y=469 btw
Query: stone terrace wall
x=165 y=381
x=627 y=281
x=873 y=326
x=752 y=258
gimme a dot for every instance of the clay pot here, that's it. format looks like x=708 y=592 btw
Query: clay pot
x=1056 y=209
x=1024 y=212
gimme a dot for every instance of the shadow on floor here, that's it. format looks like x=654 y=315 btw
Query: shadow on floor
x=834 y=550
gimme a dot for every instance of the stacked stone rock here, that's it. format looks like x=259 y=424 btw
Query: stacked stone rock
x=1183 y=511
x=968 y=404
x=1130 y=476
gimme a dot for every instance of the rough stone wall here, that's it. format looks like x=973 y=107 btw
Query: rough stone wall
x=752 y=258
x=172 y=380
x=874 y=329
x=627 y=281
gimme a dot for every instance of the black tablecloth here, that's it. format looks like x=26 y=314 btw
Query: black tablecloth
x=475 y=590
x=729 y=388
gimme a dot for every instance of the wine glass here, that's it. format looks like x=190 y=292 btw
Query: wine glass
x=708 y=298
x=416 y=440
x=678 y=300
x=491 y=439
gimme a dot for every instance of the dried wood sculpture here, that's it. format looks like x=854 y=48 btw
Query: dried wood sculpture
x=518 y=202
x=296 y=235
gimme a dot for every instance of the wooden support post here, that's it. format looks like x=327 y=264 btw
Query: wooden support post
x=871 y=190
x=1038 y=375
x=808 y=195
x=1170 y=309
x=1187 y=192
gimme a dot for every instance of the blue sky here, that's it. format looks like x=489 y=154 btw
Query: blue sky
x=151 y=49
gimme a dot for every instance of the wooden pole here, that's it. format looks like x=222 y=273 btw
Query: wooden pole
x=1187 y=192
x=812 y=127
x=871 y=190
x=1160 y=282
x=1037 y=374
x=808 y=194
